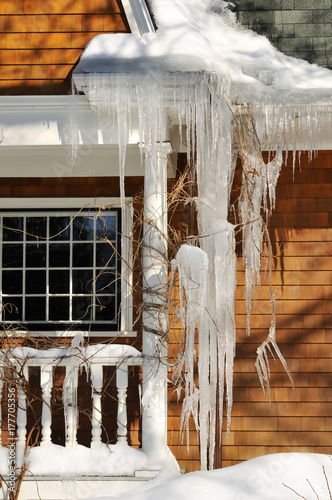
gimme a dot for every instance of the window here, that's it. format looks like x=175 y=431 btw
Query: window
x=61 y=270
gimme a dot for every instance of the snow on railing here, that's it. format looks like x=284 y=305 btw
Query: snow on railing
x=93 y=358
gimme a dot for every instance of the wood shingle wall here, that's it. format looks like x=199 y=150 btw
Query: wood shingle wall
x=42 y=40
x=299 y=419
x=296 y=420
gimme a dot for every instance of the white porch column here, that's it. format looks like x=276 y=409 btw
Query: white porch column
x=154 y=401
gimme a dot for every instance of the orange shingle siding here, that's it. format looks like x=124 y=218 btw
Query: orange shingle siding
x=42 y=40
x=59 y=6
x=296 y=420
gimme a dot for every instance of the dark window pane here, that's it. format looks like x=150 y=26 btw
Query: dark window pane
x=58 y=308
x=77 y=242
x=105 y=282
x=12 y=309
x=12 y=229
x=35 y=308
x=59 y=254
x=82 y=281
x=105 y=308
x=106 y=227
x=11 y=282
x=82 y=309
x=83 y=228
x=59 y=228
x=105 y=255
x=59 y=281
x=35 y=227
x=12 y=255
x=36 y=255
x=35 y=282
x=82 y=254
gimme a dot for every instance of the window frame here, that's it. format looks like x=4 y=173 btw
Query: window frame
x=79 y=204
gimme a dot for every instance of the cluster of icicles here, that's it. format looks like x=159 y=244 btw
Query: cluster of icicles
x=217 y=132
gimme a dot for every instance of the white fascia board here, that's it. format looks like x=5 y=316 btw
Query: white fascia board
x=138 y=16
x=60 y=203
x=55 y=161
x=49 y=121
x=36 y=139
x=37 y=120
x=91 y=161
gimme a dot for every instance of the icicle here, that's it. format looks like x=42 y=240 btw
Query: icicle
x=192 y=267
x=73 y=124
x=262 y=360
x=122 y=109
x=75 y=362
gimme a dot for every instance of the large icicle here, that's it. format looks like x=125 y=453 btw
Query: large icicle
x=258 y=178
x=209 y=119
x=192 y=264
x=216 y=165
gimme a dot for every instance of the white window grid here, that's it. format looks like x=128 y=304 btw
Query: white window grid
x=8 y=207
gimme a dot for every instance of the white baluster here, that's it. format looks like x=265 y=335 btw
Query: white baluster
x=96 y=389
x=22 y=410
x=70 y=404
x=122 y=384
x=46 y=379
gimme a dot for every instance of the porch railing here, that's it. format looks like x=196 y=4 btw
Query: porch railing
x=15 y=365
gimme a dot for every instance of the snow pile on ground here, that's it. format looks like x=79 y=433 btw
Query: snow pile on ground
x=203 y=35
x=282 y=476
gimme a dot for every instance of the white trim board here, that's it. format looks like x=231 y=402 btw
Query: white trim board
x=138 y=16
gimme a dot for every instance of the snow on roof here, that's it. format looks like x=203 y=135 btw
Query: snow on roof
x=203 y=35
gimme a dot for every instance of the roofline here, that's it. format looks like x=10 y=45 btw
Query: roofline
x=138 y=16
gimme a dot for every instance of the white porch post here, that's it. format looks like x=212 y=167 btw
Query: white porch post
x=154 y=401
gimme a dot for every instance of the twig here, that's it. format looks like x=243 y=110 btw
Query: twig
x=313 y=489
x=327 y=482
x=296 y=493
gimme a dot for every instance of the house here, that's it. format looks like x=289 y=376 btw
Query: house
x=73 y=167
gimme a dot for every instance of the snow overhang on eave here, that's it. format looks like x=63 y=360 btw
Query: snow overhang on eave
x=170 y=82
x=113 y=62
x=101 y=91
x=305 y=109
